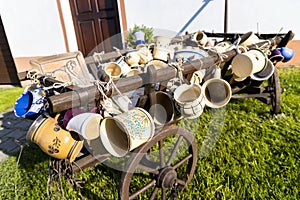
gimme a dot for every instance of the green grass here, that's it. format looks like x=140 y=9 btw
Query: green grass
x=8 y=97
x=256 y=156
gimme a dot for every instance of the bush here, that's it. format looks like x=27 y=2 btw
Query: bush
x=148 y=35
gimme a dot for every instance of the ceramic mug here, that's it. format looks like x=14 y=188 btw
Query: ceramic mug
x=127 y=131
x=113 y=70
x=163 y=109
x=133 y=72
x=197 y=76
x=248 y=39
x=276 y=56
x=30 y=103
x=161 y=49
x=139 y=36
x=132 y=58
x=53 y=140
x=286 y=53
x=264 y=74
x=189 y=100
x=123 y=64
x=144 y=53
x=248 y=63
x=86 y=124
x=217 y=92
x=200 y=37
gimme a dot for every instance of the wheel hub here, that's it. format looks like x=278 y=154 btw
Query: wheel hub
x=167 y=178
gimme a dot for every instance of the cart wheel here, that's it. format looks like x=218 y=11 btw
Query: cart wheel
x=275 y=90
x=161 y=167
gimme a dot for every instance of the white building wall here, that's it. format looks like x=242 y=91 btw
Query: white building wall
x=32 y=27
x=265 y=16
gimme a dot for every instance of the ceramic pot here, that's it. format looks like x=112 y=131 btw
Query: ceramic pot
x=30 y=103
x=248 y=63
x=54 y=140
x=189 y=100
x=113 y=70
x=86 y=124
x=127 y=131
x=217 y=92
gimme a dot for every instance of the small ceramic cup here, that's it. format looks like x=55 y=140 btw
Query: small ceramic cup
x=139 y=36
x=113 y=70
x=132 y=58
x=86 y=124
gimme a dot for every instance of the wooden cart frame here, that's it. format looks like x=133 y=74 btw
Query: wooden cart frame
x=167 y=175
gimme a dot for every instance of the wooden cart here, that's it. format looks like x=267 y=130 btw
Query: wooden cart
x=165 y=165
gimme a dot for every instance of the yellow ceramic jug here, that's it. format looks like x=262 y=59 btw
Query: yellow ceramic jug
x=54 y=140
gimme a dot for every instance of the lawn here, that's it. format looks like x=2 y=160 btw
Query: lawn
x=8 y=97
x=254 y=156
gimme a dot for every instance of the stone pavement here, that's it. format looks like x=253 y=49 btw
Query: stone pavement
x=12 y=134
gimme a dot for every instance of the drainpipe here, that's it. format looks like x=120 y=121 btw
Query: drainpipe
x=226 y=17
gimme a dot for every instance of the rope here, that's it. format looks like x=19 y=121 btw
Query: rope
x=118 y=51
x=33 y=75
x=59 y=169
x=97 y=56
x=178 y=67
x=100 y=86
